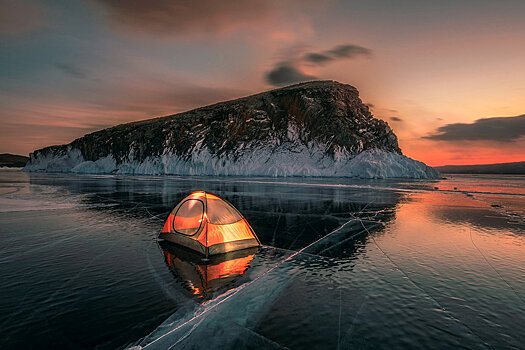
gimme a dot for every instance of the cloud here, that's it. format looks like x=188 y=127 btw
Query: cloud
x=350 y=51
x=396 y=119
x=287 y=73
x=338 y=52
x=317 y=58
x=18 y=17
x=70 y=69
x=500 y=129
x=179 y=17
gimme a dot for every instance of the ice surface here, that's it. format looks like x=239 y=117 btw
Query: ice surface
x=437 y=268
x=225 y=322
x=15 y=204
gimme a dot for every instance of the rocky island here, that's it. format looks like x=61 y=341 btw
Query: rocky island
x=319 y=128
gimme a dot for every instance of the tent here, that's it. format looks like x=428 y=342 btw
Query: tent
x=203 y=279
x=208 y=224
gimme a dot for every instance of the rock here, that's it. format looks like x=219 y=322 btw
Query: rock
x=310 y=129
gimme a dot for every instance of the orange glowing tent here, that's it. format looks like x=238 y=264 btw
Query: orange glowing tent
x=208 y=224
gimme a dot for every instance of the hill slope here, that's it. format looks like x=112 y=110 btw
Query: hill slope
x=12 y=160
x=318 y=128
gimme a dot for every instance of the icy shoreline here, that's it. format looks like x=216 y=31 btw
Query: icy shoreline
x=306 y=162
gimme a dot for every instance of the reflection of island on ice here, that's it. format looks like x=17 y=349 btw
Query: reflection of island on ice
x=203 y=278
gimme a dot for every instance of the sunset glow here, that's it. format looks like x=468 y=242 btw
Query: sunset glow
x=72 y=67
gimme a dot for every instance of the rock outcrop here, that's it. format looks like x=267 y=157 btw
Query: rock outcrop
x=319 y=128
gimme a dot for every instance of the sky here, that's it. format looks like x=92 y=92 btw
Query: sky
x=448 y=76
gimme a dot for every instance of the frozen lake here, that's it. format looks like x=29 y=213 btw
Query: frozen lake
x=402 y=265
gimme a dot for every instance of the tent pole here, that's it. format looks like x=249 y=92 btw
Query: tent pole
x=206 y=223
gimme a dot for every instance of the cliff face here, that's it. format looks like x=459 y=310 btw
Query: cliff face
x=314 y=128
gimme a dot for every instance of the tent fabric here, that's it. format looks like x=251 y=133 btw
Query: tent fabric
x=208 y=224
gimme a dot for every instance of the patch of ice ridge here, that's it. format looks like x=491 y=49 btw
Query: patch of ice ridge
x=266 y=161
x=61 y=163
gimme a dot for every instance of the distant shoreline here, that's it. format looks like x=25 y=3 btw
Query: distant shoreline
x=12 y=160
x=515 y=168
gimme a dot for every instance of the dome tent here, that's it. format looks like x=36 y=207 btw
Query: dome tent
x=208 y=224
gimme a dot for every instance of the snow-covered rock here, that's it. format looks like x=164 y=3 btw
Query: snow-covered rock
x=310 y=129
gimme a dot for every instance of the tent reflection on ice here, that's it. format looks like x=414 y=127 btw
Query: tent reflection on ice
x=203 y=278
x=207 y=224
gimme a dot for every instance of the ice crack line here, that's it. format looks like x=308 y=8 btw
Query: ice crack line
x=422 y=289
x=497 y=272
x=240 y=288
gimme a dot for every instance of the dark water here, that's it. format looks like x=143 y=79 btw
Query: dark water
x=403 y=265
